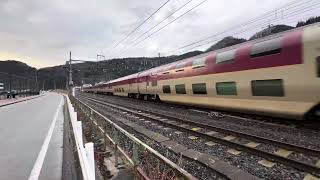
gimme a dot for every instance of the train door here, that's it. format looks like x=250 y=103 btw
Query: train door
x=142 y=85
x=138 y=83
x=147 y=83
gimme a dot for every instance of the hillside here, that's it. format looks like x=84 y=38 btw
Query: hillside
x=16 y=67
x=225 y=42
x=94 y=72
x=270 y=30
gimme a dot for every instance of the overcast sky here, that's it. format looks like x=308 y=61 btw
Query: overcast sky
x=42 y=32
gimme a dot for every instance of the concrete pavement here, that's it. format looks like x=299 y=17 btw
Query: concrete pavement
x=31 y=136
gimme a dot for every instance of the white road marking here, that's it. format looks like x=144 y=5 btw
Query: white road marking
x=34 y=175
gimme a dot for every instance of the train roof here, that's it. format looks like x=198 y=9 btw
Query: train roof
x=172 y=65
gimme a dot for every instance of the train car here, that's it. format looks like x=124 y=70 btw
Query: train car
x=278 y=75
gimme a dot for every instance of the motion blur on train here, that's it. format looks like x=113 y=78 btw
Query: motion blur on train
x=277 y=76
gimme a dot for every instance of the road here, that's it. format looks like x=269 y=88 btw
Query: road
x=31 y=136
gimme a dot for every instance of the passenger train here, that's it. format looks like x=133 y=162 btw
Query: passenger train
x=278 y=76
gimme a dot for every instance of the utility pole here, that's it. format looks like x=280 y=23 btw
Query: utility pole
x=37 y=87
x=70 y=71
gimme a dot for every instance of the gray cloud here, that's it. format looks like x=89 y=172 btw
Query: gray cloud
x=41 y=33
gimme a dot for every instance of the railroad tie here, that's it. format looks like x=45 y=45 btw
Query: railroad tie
x=195 y=129
x=266 y=163
x=210 y=133
x=311 y=177
x=229 y=138
x=252 y=144
x=283 y=152
x=234 y=151
x=193 y=137
x=210 y=143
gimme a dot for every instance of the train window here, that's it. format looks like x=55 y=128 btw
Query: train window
x=226 y=88
x=181 y=65
x=266 y=48
x=225 y=57
x=272 y=87
x=154 y=83
x=199 y=88
x=318 y=66
x=181 y=89
x=179 y=70
x=122 y=90
x=198 y=63
x=166 y=89
x=166 y=72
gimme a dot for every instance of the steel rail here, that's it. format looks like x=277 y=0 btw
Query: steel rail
x=270 y=156
x=178 y=169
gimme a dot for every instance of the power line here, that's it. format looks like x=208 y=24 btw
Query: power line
x=167 y=17
x=166 y=25
x=164 y=19
x=251 y=21
x=134 y=30
x=290 y=15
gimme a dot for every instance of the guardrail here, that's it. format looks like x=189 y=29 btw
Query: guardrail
x=85 y=152
x=146 y=162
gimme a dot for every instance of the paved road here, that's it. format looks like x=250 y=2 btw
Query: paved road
x=26 y=145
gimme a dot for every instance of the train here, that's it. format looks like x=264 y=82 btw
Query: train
x=277 y=75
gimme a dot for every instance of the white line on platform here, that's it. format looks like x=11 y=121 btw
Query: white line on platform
x=34 y=175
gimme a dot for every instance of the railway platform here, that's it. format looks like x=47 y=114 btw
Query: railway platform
x=31 y=136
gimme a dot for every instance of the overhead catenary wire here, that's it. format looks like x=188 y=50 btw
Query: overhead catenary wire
x=156 y=25
x=141 y=24
x=291 y=5
x=267 y=22
x=197 y=5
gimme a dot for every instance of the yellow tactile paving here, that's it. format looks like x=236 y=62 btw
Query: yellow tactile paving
x=234 y=151
x=283 y=152
x=252 y=144
x=266 y=163
x=311 y=177
x=229 y=138
x=196 y=129
x=210 y=143
x=318 y=163
x=193 y=137
x=211 y=133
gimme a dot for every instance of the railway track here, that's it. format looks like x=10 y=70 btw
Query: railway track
x=208 y=130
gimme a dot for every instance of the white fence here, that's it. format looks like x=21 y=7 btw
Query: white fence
x=85 y=152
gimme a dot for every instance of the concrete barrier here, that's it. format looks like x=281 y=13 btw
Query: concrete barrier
x=85 y=152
